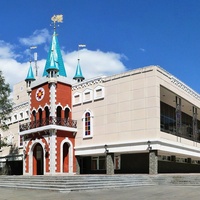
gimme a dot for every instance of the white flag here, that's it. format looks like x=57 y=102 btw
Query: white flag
x=81 y=45
x=33 y=47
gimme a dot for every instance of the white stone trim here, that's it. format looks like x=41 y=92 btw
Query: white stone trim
x=74 y=100
x=141 y=146
x=87 y=95
x=87 y=83
x=52 y=99
x=96 y=89
x=67 y=106
x=53 y=152
x=48 y=127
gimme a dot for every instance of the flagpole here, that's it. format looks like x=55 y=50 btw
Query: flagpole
x=80 y=46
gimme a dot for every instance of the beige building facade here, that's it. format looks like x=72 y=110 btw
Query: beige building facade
x=145 y=119
x=141 y=121
x=11 y=156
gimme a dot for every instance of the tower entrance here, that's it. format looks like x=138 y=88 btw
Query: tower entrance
x=38 y=160
x=66 y=157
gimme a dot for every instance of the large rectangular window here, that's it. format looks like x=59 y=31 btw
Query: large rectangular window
x=98 y=163
x=117 y=162
x=167 y=118
x=168 y=122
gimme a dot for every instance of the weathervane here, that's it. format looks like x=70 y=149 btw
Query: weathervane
x=57 y=18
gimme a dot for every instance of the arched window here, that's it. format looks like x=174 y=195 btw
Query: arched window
x=67 y=113
x=34 y=118
x=87 y=124
x=40 y=117
x=47 y=115
x=58 y=114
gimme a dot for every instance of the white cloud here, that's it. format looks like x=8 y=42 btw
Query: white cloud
x=7 y=50
x=38 y=37
x=13 y=71
x=94 y=63
x=142 y=49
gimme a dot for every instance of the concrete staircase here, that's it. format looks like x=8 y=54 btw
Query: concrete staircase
x=75 y=182
x=92 y=182
x=178 y=179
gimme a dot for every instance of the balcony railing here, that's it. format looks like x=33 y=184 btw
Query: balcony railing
x=48 y=121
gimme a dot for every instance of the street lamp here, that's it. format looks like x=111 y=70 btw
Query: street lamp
x=149 y=145
x=106 y=148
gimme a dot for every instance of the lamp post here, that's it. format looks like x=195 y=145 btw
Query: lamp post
x=106 y=148
x=149 y=145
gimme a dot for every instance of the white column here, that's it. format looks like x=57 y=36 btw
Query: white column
x=52 y=99
x=53 y=152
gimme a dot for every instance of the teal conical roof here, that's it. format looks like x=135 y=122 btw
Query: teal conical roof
x=52 y=65
x=55 y=53
x=78 y=74
x=30 y=75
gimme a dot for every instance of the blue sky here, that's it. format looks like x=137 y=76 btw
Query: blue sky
x=120 y=35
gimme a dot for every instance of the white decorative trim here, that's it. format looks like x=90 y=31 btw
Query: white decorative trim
x=74 y=100
x=99 y=92
x=59 y=105
x=20 y=106
x=53 y=152
x=67 y=106
x=88 y=82
x=40 y=107
x=178 y=83
x=87 y=95
x=34 y=109
x=140 y=146
x=48 y=127
x=52 y=99
x=46 y=105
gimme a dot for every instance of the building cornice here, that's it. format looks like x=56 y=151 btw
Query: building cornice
x=21 y=105
x=179 y=83
x=87 y=83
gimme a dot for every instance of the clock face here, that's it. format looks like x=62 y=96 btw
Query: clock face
x=39 y=94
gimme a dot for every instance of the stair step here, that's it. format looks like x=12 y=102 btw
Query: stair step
x=75 y=182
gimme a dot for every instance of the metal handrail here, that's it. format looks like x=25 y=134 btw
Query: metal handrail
x=48 y=121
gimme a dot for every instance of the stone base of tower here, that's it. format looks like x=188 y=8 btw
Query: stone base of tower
x=49 y=153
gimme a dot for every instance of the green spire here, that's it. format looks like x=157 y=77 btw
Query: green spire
x=55 y=55
x=78 y=76
x=30 y=75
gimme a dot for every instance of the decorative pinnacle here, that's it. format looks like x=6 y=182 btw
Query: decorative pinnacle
x=57 y=18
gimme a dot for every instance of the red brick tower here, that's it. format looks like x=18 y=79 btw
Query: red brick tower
x=49 y=136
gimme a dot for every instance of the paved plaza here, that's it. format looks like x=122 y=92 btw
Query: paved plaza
x=144 y=192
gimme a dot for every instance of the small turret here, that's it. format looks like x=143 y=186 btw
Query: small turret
x=30 y=77
x=78 y=76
